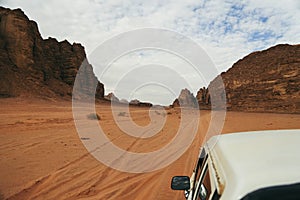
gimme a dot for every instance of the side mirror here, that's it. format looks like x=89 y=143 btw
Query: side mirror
x=180 y=183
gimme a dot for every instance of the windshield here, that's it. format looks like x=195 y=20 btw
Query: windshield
x=282 y=192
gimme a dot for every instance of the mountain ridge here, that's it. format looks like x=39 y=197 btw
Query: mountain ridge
x=35 y=67
x=263 y=81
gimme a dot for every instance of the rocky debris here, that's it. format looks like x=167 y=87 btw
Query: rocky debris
x=185 y=99
x=33 y=66
x=111 y=97
x=264 y=81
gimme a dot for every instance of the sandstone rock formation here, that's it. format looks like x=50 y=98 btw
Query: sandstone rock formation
x=136 y=102
x=203 y=98
x=264 y=81
x=145 y=104
x=111 y=97
x=185 y=99
x=32 y=66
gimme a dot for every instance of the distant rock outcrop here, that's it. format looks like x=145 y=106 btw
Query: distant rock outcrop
x=185 y=99
x=32 y=66
x=124 y=101
x=203 y=98
x=264 y=81
x=136 y=102
x=111 y=97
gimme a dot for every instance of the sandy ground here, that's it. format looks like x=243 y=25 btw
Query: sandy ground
x=42 y=156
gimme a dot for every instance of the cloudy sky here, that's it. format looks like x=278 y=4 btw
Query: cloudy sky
x=227 y=30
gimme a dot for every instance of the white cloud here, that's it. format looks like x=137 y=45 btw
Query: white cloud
x=227 y=30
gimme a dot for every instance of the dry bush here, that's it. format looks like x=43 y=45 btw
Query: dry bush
x=122 y=114
x=93 y=116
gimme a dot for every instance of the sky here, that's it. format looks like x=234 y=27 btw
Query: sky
x=227 y=30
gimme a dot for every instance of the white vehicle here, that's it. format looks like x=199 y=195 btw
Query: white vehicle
x=258 y=165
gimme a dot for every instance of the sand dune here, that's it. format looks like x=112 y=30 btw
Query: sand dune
x=42 y=156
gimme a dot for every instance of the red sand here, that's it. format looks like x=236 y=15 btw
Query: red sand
x=42 y=156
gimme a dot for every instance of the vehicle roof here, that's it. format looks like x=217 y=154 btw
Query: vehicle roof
x=247 y=161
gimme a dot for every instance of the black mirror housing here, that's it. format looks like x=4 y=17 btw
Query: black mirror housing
x=180 y=183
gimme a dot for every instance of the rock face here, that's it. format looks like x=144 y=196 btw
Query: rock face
x=32 y=66
x=264 y=81
x=203 y=98
x=185 y=99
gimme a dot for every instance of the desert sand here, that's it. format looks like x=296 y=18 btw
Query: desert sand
x=42 y=156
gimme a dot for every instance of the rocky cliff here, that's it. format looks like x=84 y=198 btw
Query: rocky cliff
x=264 y=81
x=33 y=66
x=185 y=99
x=203 y=98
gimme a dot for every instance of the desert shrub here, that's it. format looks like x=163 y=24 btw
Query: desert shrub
x=93 y=116
x=84 y=138
x=122 y=114
x=158 y=113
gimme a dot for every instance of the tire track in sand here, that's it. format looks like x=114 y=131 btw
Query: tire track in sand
x=86 y=178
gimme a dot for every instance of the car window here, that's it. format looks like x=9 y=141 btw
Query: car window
x=200 y=164
x=205 y=187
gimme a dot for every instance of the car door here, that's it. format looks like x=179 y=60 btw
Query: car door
x=205 y=185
